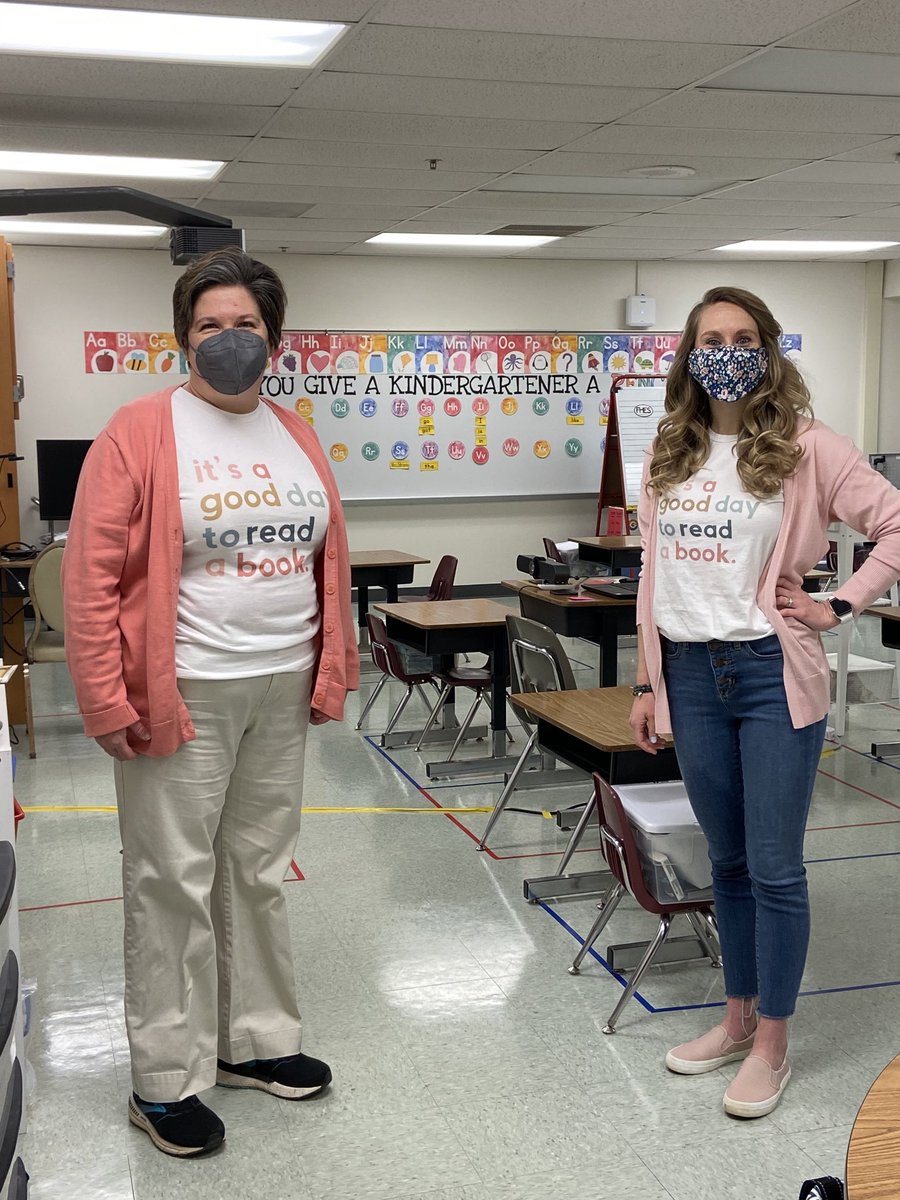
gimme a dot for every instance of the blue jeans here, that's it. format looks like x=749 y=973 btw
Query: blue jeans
x=749 y=775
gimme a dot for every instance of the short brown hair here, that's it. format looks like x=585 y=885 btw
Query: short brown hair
x=229 y=267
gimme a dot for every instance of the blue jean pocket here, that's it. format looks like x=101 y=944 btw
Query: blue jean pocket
x=671 y=650
x=765 y=648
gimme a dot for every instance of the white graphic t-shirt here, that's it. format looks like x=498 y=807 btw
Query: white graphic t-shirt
x=255 y=513
x=713 y=541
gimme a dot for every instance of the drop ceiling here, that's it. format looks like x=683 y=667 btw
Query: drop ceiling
x=467 y=116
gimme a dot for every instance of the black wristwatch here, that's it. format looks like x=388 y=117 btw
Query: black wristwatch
x=842 y=609
x=641 y=689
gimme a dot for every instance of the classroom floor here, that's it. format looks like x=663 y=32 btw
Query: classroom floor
x=468 y=1064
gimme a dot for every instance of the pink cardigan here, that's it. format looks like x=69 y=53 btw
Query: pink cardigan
x=832 y=482
x=121 y=573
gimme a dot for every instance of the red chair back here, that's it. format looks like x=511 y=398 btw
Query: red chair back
x=621 y=852
x=442 y=580
x=552 y=551
x=377 y=639
x=394 y=667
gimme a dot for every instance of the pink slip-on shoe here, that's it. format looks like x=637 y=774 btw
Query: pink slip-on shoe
x=757 y=1088
x=707 y=1053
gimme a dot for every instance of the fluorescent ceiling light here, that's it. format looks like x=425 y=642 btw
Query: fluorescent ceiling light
x=460 y=240
x=80 y=228
x=801 y=247
x=162 y=37
x=122 y=166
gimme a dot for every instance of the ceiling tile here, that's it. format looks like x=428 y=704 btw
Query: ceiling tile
x=707 y=109
x=724 y=206
x=296 y=10
x=751 y=23
x=884 y=150
x=265 y=246
x=871 y=27
x=472 y=98
x=822 y=71
x=866 y=193
x=310 y=193
x=361 y=212
x=409 y=129
x=645 y=253
x=583 y=201
x=117 y=141
x=384 y=155
x=657 y=138
x=134 y=115
x=533 y=216
x=528 y=58
x=565 y=162
x=109 y=80
x=356 y=177
x=723 y=221
x=843 y=172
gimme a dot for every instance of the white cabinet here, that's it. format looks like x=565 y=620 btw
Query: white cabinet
x=13 y=1177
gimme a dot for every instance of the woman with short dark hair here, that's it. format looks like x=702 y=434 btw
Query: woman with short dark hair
x=207 y=593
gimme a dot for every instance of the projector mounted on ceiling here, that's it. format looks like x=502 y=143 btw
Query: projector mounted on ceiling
x=187 y=242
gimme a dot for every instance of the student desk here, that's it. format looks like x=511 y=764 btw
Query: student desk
x=873 y=1156
x=598 y=619
x=383 y=569
x=613 y=552
x=448 y=627
x=890 y=637
x=588 y=729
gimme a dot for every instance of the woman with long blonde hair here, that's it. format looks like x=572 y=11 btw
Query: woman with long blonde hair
x=739 y=488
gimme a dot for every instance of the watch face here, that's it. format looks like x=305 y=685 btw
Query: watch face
x=841 y=608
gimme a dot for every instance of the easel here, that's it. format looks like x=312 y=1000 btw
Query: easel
x=614 y=489
x=10 y=394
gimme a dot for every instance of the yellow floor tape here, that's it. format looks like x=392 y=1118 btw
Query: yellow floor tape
x=111 y=808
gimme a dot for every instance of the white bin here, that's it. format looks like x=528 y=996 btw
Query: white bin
x=671 y=844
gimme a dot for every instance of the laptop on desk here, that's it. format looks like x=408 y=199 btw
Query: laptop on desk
x=622 y=589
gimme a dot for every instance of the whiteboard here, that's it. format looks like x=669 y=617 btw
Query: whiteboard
x=438 y=416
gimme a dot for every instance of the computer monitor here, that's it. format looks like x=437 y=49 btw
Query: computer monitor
x=58 y=468
x=887 y=465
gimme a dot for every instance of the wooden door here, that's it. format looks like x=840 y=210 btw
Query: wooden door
x=13 y=607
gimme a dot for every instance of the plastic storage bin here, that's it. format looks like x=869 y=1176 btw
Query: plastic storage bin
x=671 y=844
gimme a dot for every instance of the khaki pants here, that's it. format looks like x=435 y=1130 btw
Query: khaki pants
x=208 y=835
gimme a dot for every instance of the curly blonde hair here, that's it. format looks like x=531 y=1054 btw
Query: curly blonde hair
x=767 y=449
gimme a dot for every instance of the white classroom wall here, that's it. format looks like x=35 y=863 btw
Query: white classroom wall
x=889 y=406
x=61 y=292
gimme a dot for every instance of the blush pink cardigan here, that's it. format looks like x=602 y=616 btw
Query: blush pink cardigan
x=121 y=573
x=832 y=482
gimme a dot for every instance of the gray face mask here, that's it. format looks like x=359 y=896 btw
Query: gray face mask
x=231 y=361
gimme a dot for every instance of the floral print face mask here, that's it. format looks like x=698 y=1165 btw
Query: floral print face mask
x=728 y=373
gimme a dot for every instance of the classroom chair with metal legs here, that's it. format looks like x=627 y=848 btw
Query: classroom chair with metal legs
x=387 y=658
x=624 y=860
x=44 y=644
x=537 y=663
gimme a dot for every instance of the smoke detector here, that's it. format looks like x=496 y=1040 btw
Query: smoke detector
x=661 y=172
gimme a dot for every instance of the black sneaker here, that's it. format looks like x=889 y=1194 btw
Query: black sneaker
x=295 y=1077
x=184 y=1128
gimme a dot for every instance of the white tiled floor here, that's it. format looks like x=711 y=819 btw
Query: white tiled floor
x=468 y=1064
